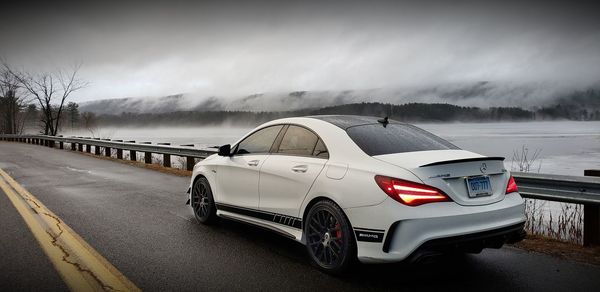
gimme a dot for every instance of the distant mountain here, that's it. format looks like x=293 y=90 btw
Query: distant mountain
x=410 y=112
x=480 y=94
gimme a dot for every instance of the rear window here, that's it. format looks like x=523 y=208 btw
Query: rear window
x=374 y=139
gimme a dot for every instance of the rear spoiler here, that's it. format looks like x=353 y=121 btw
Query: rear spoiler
x=463 y=160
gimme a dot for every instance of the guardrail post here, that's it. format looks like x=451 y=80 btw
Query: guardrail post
x=119 y=153
x=80 y=147
x=61 y=145
x=88 y=148
x=96 y=149
x=166 y=160
x=190 y=163
x=147 y=155
x=107 y=152
x=591 y=217
x=166 y=157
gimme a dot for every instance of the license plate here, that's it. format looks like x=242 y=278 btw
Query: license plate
x=479 y=186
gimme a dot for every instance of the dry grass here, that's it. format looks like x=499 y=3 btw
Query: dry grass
x=567 y=225
x=153 y=166
x=564 y=250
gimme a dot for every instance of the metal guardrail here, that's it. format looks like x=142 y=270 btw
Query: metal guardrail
x=569 y=189
x=559 y=188
x=105 y=146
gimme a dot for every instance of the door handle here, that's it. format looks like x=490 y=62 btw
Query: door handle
x=253 y=162
x=300 y=168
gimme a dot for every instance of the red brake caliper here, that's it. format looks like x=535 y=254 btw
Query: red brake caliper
x=338 y=233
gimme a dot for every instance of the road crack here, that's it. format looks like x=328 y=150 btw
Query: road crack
x=66 y=254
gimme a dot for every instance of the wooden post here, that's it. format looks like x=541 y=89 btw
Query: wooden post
x=132 y=155
x=107 y=151
x=166 y=160
x=190 y=163
x=591 y=217
x=166 y=157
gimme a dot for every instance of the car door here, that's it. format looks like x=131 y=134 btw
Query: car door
x=288 y=174
x=238 y=175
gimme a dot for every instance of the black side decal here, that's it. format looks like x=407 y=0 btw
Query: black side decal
x=369 y=235
x=290 y=221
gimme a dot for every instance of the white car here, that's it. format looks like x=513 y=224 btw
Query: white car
x=354 y=187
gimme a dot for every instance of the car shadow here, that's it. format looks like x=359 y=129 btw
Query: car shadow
x=454 y=270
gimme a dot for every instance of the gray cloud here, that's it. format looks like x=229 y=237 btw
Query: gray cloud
x=238 y=48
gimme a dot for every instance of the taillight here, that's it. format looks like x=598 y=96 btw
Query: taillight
x=511 y=187
x=410 y=193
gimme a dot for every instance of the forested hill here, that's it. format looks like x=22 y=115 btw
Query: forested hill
x=410 y=112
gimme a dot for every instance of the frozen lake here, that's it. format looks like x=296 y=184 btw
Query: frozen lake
x=566 y=147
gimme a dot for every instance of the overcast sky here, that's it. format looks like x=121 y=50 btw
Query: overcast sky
x=227 y=48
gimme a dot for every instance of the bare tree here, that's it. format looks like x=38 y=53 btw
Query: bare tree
x=89 y=122
x=51 y=90
x=12 y=101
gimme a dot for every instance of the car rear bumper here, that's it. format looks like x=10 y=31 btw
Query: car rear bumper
x=472 y=243
x=409 y=233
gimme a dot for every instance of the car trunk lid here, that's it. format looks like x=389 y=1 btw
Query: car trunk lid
x=448 y=170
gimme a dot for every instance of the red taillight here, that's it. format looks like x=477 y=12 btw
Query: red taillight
x=511 y=187
x=410 y=193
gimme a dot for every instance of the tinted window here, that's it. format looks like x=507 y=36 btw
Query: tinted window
x=374 y=139
x=260 y=141
x=298 y=141
x=321 y=150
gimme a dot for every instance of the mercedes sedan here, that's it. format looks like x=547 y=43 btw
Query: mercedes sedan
x=360 y=188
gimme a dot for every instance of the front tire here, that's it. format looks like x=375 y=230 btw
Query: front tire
x=203 y=203
x=329 y=239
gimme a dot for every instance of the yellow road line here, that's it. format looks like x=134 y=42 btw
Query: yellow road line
x=80 y=266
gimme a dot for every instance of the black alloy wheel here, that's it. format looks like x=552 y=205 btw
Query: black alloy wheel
x=203 y=203
x=329 y=238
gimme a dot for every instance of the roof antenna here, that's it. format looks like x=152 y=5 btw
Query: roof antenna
x=384 y=121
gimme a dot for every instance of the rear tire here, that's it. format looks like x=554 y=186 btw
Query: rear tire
x=329 y=238
x=203 y=203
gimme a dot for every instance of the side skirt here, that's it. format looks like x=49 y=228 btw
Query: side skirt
x=286 y=225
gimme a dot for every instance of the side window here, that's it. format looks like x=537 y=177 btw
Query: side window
x=260 y=141
x=321 y=150
x=298 y=141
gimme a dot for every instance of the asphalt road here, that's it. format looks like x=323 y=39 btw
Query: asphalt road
x=136 y=218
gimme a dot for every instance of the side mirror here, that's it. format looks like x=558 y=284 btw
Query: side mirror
x=225 y=150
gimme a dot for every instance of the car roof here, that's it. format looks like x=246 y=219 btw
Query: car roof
x=347 y=121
